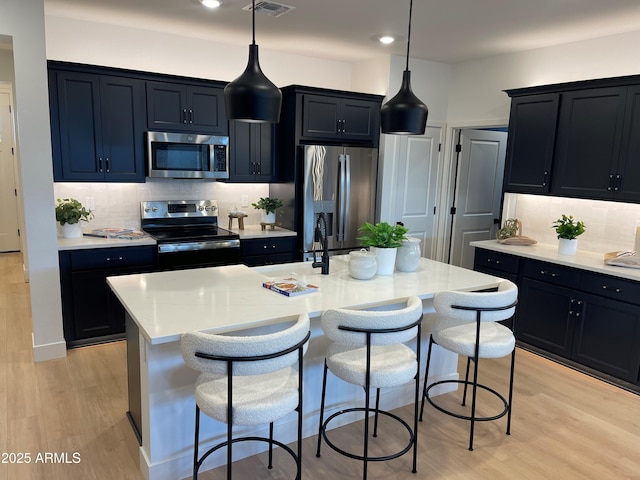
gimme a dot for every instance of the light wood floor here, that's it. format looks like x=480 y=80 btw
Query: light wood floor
x=566 y=425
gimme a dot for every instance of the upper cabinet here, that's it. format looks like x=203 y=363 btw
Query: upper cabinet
x=530 y=145
x=580 y=139
x=253 y=152
x=182 y=107
x=97 y=124
x=314 y=115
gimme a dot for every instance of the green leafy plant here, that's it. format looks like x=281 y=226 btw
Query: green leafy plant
x=567 y=227
x=382 y=235
x=268 y=204
x=70 y=210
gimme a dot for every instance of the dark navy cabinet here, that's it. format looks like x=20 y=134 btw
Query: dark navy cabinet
x=588 y=320
x=253 y=152
x=268 y=251
x=91 y=313
x=97 y=126
x=186 y=107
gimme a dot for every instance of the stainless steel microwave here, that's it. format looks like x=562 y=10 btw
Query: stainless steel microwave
x=187 y=155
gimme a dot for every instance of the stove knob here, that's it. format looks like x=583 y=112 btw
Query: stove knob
x=146 y=209
x=154 y=209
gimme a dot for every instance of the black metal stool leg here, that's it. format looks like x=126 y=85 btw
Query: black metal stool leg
x=513 y=364
x=426 y=377
x=466 y=382
x=324 y=390
x=270 y=466
x=375 y=423
x=195 y=444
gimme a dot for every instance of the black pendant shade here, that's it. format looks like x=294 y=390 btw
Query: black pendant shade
x=405 y=114
x=252 y=97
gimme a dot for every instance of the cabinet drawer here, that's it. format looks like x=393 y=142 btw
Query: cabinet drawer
x=552 y=273
x=611 y=287
x=268 y=246
x=112 y=257
x=502 y=262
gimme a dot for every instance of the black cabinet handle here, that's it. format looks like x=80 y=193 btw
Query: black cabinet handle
x=545 y=179
x=100 y=164
x=491 y=260
x=191 y=115
x=109 y=259
x=108 y=164
x=549 y=274
x=184 y=115
x=617 y=290
x=610 y=187
x=618 y=184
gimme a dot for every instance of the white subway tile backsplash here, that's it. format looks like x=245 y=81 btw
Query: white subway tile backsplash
x=118 y=204
x=610 y=226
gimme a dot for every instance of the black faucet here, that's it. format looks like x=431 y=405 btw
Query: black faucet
x=320 y=235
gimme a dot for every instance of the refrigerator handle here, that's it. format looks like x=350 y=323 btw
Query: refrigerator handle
x=340 y=199
x=347 y=197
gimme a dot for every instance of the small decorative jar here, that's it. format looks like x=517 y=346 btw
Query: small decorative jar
x=408 y=257
x=362 y=264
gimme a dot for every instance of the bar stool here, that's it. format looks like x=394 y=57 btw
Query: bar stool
x=248 y=380
x=466 y=323
x=368 y=350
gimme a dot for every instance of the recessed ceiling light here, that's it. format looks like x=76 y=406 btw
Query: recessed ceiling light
x=387 y=39
x=211 y=3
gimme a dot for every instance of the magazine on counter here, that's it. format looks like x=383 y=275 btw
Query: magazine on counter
x=290 y=287
x=108 y=232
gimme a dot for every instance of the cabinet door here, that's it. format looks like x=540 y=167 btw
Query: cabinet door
x=320 y=116
x=166 y=106
x=253 y=152
x=628 y=185
x=530 y=144
x=545 y=317
x=588 y=142
x=80 y=129
x=205 y=110
x=122 y=109
x=360 y=119
x=96 y=313
x=607 y=337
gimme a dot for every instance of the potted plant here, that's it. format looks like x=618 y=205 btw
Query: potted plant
x=69 y=214
x=268 y=206
x=568 y=231
x=383 y=239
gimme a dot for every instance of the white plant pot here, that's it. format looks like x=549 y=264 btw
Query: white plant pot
x=71 y=230
x=268 y=217
x=567 y=247
x=408 y=257
x=385 y=260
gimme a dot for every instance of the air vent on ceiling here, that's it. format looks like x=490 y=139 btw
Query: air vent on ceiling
x=270 y=8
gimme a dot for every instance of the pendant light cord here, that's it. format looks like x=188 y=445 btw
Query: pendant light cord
x=409 y=33
x=253 y=22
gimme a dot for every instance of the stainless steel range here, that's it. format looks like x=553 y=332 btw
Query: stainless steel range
x=188 y=234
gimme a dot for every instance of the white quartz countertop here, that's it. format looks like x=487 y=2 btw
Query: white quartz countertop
x=221 y=299
x=591 y=261
x=83 y=243
x=255 y=231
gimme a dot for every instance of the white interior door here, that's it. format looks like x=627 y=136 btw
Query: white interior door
x=417 y=185
x=9 y=238
x=478 y=192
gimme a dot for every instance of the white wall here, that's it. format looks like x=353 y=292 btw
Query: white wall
x=24 y=21
x=137 y=49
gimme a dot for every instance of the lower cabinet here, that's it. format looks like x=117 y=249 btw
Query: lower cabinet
x=589 y=319
x=268 y=251
x=91 y=312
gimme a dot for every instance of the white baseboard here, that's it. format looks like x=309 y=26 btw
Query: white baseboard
x=48 y=351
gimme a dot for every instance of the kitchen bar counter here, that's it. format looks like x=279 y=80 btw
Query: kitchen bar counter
x=162 y=305
x=591 y=261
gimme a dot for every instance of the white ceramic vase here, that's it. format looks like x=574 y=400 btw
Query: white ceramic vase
x=268 y=217
x=408 y=257
x=71 y=230
x=567 y=246
x=362 y=264
x=385 y=259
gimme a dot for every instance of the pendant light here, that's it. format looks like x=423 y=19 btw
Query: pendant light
x=252 y=97
x=405 y=114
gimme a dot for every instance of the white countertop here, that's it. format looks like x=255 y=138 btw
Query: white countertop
x=255 y=231
x=84 y=243
x=591 y=261
x=220 y=299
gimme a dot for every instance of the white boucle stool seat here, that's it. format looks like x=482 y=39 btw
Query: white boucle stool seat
x=391 y=365
x=496 y=340
x=257 y=399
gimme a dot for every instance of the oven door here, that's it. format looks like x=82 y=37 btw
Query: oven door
x=183 y=255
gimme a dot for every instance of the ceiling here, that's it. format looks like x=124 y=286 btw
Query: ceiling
x=448 y=31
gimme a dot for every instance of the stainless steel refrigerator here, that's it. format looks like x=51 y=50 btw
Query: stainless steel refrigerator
x=341 y=183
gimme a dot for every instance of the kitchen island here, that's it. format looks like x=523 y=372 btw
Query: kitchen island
x=162 y=305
